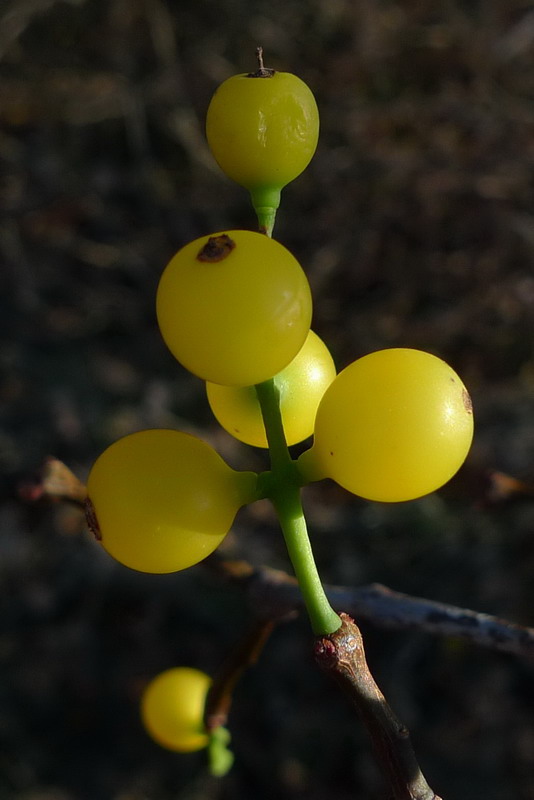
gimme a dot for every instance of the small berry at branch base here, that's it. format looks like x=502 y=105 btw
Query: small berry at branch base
x=172 y=709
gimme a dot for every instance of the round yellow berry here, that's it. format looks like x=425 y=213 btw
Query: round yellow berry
x=172 y=709
x=300 y=385
x=394 y=425
x=234 y=308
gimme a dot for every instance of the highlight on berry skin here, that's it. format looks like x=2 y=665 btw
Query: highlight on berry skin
x=393 y=426
x=300 y=386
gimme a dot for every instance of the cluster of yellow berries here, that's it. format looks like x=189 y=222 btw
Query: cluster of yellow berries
x=235 y=308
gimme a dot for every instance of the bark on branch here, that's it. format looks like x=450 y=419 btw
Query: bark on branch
x=342 y=656
x=273 y=594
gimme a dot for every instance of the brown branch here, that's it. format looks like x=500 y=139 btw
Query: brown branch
x=342 y=656
x=243 y=656
x=275 y=593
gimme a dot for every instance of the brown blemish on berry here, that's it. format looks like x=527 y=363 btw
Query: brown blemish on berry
x=467 y=401
x=217 y=248
x=92 y=521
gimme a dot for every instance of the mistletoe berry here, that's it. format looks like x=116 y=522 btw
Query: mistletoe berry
x=394 y=425
x=300 y=386
x=172 y=709
x=262 y=129
x=163 y=500
x=234 y=308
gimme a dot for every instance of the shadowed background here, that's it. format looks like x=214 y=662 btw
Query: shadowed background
x=415 y=225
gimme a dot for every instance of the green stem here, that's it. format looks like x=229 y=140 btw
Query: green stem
x=282 y=486
x=323 y=618
x=265 y=201
x=269 y=399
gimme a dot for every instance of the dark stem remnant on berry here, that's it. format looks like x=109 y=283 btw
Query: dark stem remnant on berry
x=217 y=248
x=342 y=655
x=262 y=71
x=92 y=522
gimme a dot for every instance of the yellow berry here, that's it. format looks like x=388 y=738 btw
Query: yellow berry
x=234 y=308
x=301 y=386
x=263 y=129
x=163 y=500
x=172 y=709
x=394 y=425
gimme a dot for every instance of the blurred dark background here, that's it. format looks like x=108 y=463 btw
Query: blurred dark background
x=415 y=224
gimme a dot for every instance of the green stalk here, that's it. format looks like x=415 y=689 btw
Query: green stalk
x=282 y=486
x=269 y=400
x=323 y=618
x=265 y=201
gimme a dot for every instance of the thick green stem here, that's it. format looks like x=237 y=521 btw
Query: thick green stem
x=269 y=400
x=282 y=484
x=283 y=488
x=322 y=616
x=265 y=201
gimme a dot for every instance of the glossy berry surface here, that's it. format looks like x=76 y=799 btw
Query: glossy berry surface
x=172 y=709
x=394 y=425
x=263 y=131
x=164 y=500
x=301 y=386
x=234 y=308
